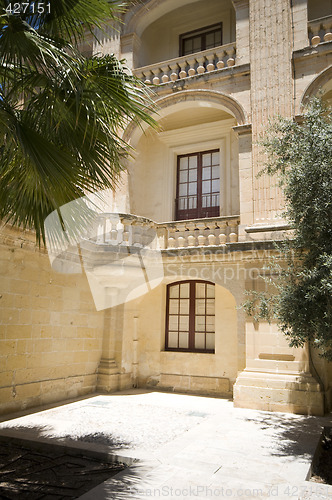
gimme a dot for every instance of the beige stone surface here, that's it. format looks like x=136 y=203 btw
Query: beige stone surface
x=53 y=342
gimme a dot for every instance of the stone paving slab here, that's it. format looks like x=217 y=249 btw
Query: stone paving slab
x=188 y=446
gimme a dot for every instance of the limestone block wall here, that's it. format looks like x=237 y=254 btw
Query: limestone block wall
x=50 y=332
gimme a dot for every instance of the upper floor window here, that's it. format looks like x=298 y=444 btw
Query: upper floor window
x=202 y=39
x=198 y=185
x=190 y=314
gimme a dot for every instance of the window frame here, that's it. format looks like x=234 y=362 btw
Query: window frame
x=192 y=317
x=199 y=212
x=204 y=31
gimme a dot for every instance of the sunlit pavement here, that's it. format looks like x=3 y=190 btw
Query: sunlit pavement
x=180 y=446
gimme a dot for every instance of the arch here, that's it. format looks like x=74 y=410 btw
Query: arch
x=187 y=98
x=141 y=16
x=315 y=85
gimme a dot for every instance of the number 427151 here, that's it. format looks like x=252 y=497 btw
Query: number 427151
x=28 y=8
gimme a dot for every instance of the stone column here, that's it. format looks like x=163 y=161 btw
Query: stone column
x=130 y=45
x=242 y=30
x=271 y=92
x=109 y=371
x=300 y=24
x=245 y=178
x=108 y=40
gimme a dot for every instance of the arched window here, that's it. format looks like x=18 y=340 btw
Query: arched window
x=190 y=313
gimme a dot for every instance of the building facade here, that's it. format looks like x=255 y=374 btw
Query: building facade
x=220 y=69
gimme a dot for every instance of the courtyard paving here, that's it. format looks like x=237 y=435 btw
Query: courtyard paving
x=184 y=447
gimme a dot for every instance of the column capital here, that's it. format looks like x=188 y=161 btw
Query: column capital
x=245 y=129
x=240 y=4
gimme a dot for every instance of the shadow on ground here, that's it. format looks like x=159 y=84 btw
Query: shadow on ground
x=288 y=431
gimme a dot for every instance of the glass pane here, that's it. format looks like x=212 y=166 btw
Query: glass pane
x=215 y=172
x=188 y=46
x=183 y=202
x=206 y=173
x=193 y=188
x=183 y=340
x=209 y=40
x=184 y=291
x=206 y=187
x=173 y=323
x=206 y=160
x=184 y=323
x=174 y=306
x=183 y=163
x=193 y=202
x=200 y=306
x=174 y=291
x=183 y=175
x=206 y=201
x=210 y=340
x=217 y=38
x=183 y=189
x=210 y=323
x=200 y=323
x=215 y=158
x=197 y=44
x=215 y=186
x=210 y=291
x=184 y=306
x=172 y=339
x=192 y=161
x=200 y=290
x=192 y=175
x=199 y=340
x=210 y=306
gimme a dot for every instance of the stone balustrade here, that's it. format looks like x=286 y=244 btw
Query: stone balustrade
x=188 y=66
x=320 y=30
x=130 y=230
x=124 y=230
x=214 y=231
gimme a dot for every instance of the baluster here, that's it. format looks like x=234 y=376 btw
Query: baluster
x=156 y=79
x=222 y=234
x=200 y=68
x=174 y=72
x=191 y=63
x=233 y=231
x=183 y=73
x=315 y=40
x=210 y=66
x=191 y=239
x=148 y=75
x=165 y=77
x=171 y=242
x=201 y=237
x=212 y=237
x=328 y=32
x=231 y=60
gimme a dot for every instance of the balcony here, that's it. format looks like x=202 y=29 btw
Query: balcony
x=213 y=231
x=320 y=30
x=191 y=65
x=130 y=230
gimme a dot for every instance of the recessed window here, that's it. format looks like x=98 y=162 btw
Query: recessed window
x=190 y=317
x=198 y=185
x=201 y=39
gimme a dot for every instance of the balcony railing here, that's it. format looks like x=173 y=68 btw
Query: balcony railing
x=213 y=231
x=188 y=66
x=320 y=30
x=130 y=230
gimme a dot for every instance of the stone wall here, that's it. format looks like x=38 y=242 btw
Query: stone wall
x=50 y=332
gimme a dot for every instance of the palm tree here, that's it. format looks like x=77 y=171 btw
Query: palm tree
x=61 y=114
